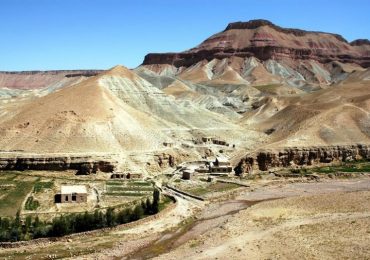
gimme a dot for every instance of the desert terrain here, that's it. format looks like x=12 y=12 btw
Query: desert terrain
x=257 y=139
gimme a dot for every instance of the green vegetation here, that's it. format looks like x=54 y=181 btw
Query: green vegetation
x=118 y=188
x=14 y=230
x=350 y=168
x=40 y=186
x=31 y=204
x=13 y=196
x=163 y=203
x=214 y=187
x=115 y=183
x=139 y=183
x=132 y=188
x=353 y=167
x=133 y=194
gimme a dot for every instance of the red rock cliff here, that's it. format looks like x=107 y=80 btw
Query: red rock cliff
x=264 y=40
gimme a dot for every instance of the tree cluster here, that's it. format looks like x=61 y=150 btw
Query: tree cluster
x=15 y=229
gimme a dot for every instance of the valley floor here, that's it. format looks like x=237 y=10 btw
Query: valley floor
x=327 y=220
x=284 y=220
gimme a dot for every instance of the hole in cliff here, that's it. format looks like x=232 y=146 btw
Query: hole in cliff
x=270 y=131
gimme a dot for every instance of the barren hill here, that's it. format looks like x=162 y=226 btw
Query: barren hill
x=113 y=112
x=253 y=85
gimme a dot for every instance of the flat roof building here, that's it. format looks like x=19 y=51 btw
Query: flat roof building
x=71 y=193
x=220 y=166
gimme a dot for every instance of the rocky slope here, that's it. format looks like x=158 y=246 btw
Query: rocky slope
x=265 y=40
x=336 y=115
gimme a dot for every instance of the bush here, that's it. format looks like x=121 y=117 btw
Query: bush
x=31 y=204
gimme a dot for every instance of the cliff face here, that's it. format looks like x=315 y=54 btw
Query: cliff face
x=83 y=165
x=264 y=40
x=265 y=160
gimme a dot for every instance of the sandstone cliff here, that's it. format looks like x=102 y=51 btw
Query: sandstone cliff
x=301 y=156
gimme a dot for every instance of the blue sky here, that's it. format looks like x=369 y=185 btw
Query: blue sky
x=88 y=34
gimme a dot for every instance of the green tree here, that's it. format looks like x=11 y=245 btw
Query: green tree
x=110 y=216
x=59 y=227
x=17 y=220
x=36 y=222
x=28 y=224
x=156 y=199
x=148 y=207
x=124 y=216
x=143 y=206
x=138 y=213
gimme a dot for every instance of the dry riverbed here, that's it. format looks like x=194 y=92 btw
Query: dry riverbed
x=326 y=220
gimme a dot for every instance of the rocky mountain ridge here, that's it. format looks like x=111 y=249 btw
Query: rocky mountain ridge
x=265 y=40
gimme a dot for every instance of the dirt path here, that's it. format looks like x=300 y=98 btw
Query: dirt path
x=143 y=235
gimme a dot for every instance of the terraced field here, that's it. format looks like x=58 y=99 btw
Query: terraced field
x=131 y=188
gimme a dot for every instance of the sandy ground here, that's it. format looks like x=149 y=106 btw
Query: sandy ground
x=327 y=220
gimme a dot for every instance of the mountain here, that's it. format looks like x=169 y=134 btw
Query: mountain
x=260 y=52
x=333 y=116
x=265 y=40
x=253 y=85
x=299 y=87
x=114 y=111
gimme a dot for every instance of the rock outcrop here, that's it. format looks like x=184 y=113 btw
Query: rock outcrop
x=265 y=40
x=82 y=164
x=302 y=156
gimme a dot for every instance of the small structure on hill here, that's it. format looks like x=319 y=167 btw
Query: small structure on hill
x=168 y=144
x=220 y=166
x=220 y=142
x=202 y=169
x=134 y=176
x=71 y=193
x=186 y=175
x=120 y=175
x=207 y=139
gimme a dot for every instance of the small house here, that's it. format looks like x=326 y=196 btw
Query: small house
x=220 y=166
x=134 y=176
x=202 y=169
x=220 y=142
x=118 y=175
x=207 y=139
x=168 y=144
x=186 y=175
x=71 y=194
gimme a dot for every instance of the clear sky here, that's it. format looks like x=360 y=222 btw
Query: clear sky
x=88 y=34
